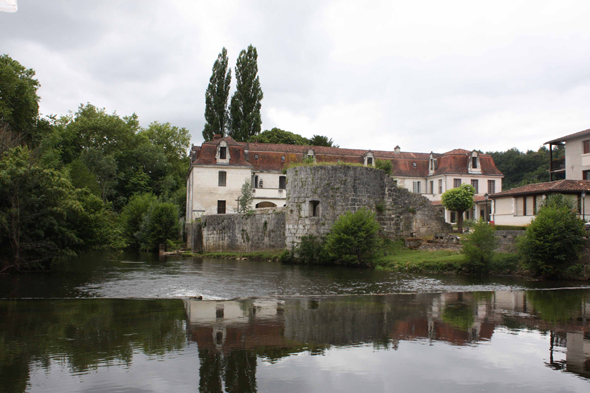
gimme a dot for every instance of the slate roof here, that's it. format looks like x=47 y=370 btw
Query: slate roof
x=275 y=157
x=557 y=186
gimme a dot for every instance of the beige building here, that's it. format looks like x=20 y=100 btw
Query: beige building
x=570 y=175
x=220 y=167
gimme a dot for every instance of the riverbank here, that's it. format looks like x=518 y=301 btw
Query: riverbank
x=394 y=256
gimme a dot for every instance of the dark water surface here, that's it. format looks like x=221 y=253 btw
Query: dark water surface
x=301 y=330
x=145 y=276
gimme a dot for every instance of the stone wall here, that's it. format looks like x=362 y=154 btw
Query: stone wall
x=262 y=230
x=318 y=195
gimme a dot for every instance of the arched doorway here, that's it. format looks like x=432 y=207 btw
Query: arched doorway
x=265 y=204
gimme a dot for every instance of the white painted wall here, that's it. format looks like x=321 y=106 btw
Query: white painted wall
x=204 y=190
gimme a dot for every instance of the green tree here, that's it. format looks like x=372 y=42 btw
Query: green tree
x=354 y=238
x=81 y=177
x=320 y=140
x=245 y=120
x=159 y=225
x=521 y=168
x=131 y=216
x=276 y=135
x=554 y=238
x=19 y=102
x=459 y=199
x=216 y=114
x=246 y=197
x=479 y=248
x=34 y=204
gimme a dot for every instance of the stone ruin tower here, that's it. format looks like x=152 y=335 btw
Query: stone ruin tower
x=318 y=195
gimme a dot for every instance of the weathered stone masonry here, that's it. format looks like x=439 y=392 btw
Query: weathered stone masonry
x=318 y=195
x=239 y=232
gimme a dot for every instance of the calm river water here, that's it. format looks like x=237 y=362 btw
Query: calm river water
x=128 y=324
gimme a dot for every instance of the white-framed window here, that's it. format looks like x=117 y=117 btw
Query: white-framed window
x=416 y=187
x=222 y=179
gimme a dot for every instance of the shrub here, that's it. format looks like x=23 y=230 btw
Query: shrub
x=554 y=238
x=384 y=165
x=479 y=248
x=159 y=225
x=131 y=216
x=312 y=250
x=354 y=238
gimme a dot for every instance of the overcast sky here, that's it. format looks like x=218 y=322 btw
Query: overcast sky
x=424 y=75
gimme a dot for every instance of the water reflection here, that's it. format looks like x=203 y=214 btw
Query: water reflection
x=492 y=341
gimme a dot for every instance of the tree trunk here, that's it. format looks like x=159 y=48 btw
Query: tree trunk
x=460 y=220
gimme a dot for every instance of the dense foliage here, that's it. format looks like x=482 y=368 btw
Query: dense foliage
x=459 y=199
x=246 y=197
x=245 y=119
x=66 y=181
x=479 y=247
x=354 y=238
x=521 y=168
x=276 y=135
x=216 y=113
x=554 y=239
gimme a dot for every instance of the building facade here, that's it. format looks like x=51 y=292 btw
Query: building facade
x=221 y=166
x=569 y=174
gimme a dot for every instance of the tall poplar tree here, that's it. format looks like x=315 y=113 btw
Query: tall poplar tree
x=245 y=120
x=216 y=114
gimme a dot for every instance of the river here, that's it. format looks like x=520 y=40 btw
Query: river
x=132 y=323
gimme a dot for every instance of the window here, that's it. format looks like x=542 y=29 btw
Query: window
x=474 y=162
x=440 y=187
x=586 y=146
x=220 y=207
x=475 y=184
x=491 y=186
x=585 y=175
x=524 y=206
x=370 y=161
x=282 y=182
x=256 y=181
x=283 y=158
x=534 y=205
x=416 y=187
x=255 y=156
x=431 y=187
x=314 y=208
x=222 y=178
x=453 y=217
x=223 y=153
x=456 y=183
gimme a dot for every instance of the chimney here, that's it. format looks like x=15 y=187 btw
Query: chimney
x=397 y=150
x=216 y=137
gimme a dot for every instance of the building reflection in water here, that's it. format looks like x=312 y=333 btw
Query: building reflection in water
x=232 y=335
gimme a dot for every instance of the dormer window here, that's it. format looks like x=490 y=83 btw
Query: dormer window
x=310 y=155
x=474 y=164
x=414 y=164
x=223 y=154
x=369 y=158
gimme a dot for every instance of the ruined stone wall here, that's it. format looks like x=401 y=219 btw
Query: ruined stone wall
x=318 y=195
x=262 y=230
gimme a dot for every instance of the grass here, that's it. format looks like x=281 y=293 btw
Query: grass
x=327 y=163
x=395 y=257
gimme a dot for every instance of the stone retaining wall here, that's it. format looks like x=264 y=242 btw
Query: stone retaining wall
x=262 y=230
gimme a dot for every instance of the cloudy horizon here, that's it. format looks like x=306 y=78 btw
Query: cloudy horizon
x=424 y=75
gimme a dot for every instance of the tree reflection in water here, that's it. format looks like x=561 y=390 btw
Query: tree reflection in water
x=233 y=336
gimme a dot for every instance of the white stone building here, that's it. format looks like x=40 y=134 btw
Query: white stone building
x=220 y=167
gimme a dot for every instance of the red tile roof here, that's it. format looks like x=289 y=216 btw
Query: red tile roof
x=270 y=157
x=558 y=186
